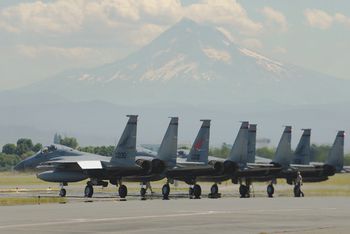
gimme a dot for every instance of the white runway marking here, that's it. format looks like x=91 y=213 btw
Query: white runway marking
x=76 y=221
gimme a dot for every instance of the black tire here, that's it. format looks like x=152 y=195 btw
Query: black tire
x=122 y=191
x=62 y=193
x=214 y=189
x=244 y=191
x=297 y=191
x=166 y=191
x=197 y=191
x=270 y=190
x=143 y=192
x=89 y=191
x=190 y=191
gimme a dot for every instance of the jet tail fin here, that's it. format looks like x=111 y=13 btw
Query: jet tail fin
x=125 y=150
x=168 y=148
x=251 y=143
x=336 y=154
x=302 y=153
x=239 y=149
x=284 y=152
x=200 y=148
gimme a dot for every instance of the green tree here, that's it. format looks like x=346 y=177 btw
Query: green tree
x=347 y=159
x=26 y=154
x=265 y=152
x=24 y=145
x=184 y=147
x=37 y=147
x=9 y=149
x=104 y=150
x=221 y=152
x=70 y=142
x=88 y=149
x=8 y=160
x=100 y=150
x=319 y=153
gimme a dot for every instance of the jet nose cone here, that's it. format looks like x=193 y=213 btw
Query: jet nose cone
x=19 y=167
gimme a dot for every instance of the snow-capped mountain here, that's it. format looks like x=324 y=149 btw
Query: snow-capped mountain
x=195 y=64
x=192 y=71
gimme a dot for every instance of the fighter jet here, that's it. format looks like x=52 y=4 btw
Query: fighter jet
x=177 y=168
x=164 y=159
x=64 y=165
x=242 y=157
x=240 y=162
x=291 y=164
x=196 y=164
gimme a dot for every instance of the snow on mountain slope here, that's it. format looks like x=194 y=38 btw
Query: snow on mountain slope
x=195 y=63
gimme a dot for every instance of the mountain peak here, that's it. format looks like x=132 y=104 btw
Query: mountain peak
x=196 y=59
x=184 y=22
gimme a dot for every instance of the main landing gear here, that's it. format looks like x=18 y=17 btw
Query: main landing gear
x=144 y=187
x=195 y=191
x=270 y=190
x=122 y=191
x=63 y=191
x=244 y=189
x=166 y=191
x=143 y=192
x=214 y=191
x=89 y=189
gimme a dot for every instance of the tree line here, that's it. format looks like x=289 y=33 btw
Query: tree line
x=13 y=153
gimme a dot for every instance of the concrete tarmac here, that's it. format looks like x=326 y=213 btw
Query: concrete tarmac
x=225 y=215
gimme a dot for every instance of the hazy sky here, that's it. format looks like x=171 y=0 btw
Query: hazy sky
x=41 y=38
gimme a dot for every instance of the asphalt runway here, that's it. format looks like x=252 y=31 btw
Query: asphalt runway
x=225 y=215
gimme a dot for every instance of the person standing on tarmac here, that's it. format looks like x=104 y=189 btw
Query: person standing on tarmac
x=299 y=183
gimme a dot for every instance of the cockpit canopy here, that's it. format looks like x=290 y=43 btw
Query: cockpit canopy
x=49 y=149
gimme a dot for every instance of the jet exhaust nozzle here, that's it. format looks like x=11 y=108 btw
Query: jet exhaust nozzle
x=329 y=170
x=217 y=166
x=146 y=165
x=230 y=167
x=158 y=166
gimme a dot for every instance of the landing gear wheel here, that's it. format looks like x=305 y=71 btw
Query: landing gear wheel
x=143 y=192
x=62 y=192
x=197 y=191
x=166 y=191
x=214 y=189
x=89 y=191
x=270 y=190
x=123 y=191
x=190 y=192
x=244 y=191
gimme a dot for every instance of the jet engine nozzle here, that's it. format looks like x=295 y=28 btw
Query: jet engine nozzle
x=158 y=166
x=230 y=167
x=146 y=165
x=329 y=170
x=217 y=166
